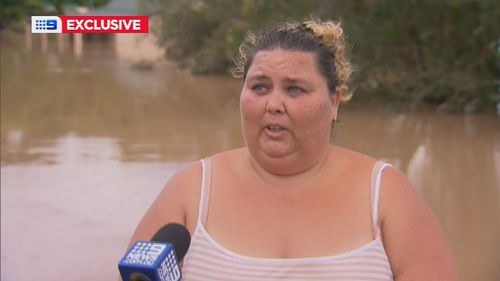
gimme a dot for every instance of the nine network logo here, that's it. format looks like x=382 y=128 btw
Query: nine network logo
x=89 y=24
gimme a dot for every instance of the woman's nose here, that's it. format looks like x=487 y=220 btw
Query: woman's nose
x=275 y=103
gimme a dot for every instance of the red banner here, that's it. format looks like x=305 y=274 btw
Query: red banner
x=105 y=24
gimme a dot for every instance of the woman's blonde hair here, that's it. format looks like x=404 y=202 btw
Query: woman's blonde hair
x=324 y=38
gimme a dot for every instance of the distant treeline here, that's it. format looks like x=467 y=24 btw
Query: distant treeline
x=14 y=12
x=439 y=52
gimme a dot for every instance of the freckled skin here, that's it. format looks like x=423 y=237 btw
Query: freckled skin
x=306 y=115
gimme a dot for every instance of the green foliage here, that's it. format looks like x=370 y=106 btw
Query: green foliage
x=13 y=12
x=204 y=35
x=430 y=51
x=437 y=52
x=59 y=4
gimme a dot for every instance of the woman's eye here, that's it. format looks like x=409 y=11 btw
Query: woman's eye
x=295 y=90
x=259 y=88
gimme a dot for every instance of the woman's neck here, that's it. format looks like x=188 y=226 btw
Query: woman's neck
x=288 y=173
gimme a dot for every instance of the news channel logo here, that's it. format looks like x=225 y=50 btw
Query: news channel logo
x=144 y=253
x=169 y=270
x=46 y=24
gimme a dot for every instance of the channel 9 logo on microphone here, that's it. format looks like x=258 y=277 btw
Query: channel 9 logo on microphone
x=89 y=24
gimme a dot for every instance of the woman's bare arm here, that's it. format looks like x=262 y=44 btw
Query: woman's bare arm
x=413 y=238
x=172 y=204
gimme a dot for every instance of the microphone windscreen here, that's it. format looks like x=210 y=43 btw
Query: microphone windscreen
x=177 y=235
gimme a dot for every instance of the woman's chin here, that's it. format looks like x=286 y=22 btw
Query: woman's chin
x=276 y=151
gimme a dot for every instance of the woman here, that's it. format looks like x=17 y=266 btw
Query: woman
x=289 y=205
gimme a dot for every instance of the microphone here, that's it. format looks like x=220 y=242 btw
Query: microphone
x=158 y=259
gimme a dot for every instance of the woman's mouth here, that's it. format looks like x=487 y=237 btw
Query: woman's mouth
x=275 y=128
x=275 y=131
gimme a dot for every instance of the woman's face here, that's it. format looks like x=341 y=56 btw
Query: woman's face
x=285 y=106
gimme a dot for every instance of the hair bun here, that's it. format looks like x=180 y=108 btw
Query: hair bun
x=332 y=35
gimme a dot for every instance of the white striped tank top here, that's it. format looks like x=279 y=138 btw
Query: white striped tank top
x=207 y=260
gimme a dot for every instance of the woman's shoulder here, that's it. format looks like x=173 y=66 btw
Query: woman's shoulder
x=173 y=204
x=188 y=179
x=357 y=165
x=352 y=159
x=183 y=190
x=229 y=160
x=229 y=155
x=190 y=175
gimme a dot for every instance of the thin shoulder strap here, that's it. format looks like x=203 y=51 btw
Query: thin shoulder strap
x=205 y=190
x=375 y=180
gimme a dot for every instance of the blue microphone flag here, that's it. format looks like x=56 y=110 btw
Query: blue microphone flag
x=150 y=261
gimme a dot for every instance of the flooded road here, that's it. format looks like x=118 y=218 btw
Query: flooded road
x=87 y=144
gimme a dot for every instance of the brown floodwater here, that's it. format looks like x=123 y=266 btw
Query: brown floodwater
x=87 y=144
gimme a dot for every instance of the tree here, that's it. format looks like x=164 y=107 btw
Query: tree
x=412 y=52
x=15 y=11
x=433 y=52
x=204 y=35
x=59 y=4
